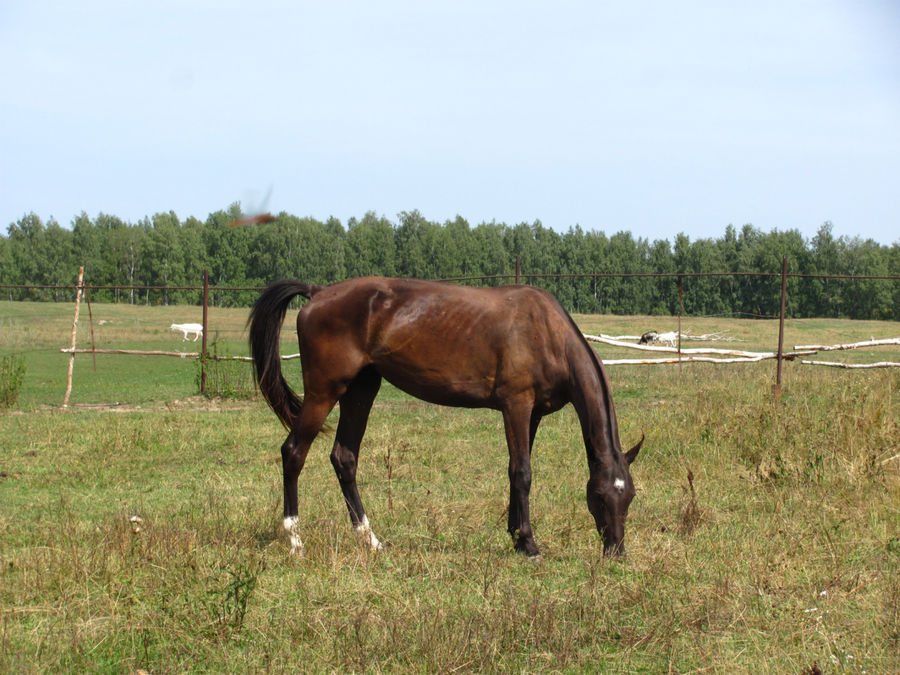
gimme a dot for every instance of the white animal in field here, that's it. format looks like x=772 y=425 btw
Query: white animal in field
x=670 y=338
x=189 y=328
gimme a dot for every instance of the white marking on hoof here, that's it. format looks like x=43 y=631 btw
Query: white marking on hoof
x=366 y=536
x=619 y=484
x=290 y=526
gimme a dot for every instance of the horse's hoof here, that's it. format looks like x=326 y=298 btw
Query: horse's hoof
x=537 y=559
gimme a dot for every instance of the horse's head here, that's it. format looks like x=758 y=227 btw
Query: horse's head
x=609 y=492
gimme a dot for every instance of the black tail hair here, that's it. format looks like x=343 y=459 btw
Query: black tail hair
x=265 y=322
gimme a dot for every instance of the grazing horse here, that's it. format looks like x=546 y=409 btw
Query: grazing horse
x=512 y=349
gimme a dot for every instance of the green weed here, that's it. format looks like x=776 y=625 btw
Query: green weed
x=12 y=374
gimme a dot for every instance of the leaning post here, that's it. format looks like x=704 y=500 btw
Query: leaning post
x=203 y=342
x=784 y=266
x=78 y=291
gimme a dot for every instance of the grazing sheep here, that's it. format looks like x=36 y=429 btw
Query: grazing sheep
x=670 y=338
x=651 y=336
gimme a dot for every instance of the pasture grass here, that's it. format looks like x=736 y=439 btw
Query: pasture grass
x=765 y=536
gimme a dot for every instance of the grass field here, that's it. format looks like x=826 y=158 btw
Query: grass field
x=782 y=553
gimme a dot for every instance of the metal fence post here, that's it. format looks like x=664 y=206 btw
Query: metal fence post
x=680 y=312
x=784 y=266
x=203 y=343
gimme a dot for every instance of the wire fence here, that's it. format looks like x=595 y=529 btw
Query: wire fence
x=80 y=289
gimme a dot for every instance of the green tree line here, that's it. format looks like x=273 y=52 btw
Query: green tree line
x=163 y=250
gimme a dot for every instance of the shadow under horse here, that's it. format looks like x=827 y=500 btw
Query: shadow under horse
x=510 y=348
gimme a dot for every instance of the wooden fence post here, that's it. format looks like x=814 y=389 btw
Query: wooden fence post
x=78 y=290
x=518 y=269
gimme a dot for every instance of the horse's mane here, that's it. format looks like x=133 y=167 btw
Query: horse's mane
x=613 y=425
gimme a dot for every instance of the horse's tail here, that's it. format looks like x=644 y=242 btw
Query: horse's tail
x=265 y=322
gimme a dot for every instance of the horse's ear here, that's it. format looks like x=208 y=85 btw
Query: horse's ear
x=632 y=454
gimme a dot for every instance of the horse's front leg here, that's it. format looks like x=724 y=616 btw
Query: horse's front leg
x=519 y=435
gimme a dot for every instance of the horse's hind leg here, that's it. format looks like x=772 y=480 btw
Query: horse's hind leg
x=355 y=405
x=293 y=457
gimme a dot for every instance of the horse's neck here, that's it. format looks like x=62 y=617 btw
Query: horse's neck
x=592 y=398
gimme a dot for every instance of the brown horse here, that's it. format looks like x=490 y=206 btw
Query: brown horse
x=512 y=349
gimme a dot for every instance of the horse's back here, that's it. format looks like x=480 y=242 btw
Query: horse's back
x=448 y=344
x=388 y=310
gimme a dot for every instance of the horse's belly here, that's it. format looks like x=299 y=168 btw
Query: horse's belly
x=441 y=386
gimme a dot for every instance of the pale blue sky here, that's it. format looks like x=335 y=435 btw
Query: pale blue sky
x=652 y=116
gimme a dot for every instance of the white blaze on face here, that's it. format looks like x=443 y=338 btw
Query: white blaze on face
x=366 y=536
x=619 y=484
x=290 y=526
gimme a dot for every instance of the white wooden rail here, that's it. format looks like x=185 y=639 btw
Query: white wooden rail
x=693 y=355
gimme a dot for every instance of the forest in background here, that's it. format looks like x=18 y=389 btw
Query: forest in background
x=164 y=251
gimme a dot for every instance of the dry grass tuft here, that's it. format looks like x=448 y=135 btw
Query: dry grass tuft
x=690 y=514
